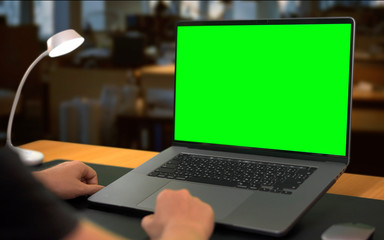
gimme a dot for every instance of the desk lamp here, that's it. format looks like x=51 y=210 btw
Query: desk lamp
x=59 y=44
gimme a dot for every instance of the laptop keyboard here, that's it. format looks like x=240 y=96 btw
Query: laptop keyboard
x=245 y=174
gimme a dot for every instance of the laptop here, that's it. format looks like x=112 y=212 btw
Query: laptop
x=261 y=121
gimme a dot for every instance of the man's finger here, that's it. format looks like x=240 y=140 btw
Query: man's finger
x=147 y=221
x=92 y=188
x=89 y=175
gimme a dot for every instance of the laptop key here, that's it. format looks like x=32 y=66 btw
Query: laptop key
x=153 y=174
x=286 y=192
x=242 y=185
x=264 y=189
x=166 y=170
x=274 y=190
x=254 y=187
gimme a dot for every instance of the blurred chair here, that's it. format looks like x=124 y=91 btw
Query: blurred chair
x=128 y=50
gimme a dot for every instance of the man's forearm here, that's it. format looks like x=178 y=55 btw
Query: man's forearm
x=87 y=230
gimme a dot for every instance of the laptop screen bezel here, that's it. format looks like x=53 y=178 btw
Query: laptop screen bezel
x=272 y=152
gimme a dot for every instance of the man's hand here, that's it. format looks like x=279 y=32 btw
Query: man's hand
x=70 y=179
x=178 y=215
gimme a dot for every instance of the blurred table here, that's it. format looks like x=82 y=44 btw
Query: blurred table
x=157 y=76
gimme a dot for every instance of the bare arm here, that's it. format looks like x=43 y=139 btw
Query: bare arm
x=87 y=230
x=177 y=215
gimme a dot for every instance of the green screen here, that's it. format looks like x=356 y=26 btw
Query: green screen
x=280 y=87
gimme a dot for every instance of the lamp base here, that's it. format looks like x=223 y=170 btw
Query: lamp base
x=29 y=157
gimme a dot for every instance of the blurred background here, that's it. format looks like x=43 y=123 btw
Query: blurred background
x=117 y=89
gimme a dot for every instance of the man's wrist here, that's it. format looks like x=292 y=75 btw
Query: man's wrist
x=183 y=231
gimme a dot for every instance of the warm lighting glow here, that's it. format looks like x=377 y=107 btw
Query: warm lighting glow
x=63 y=42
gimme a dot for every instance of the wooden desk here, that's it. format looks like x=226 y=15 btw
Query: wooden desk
x=348 y=184
x=157 y=76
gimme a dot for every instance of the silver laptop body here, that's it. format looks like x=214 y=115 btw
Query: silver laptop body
x=276 y=92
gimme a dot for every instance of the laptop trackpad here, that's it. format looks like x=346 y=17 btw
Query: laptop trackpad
x=222 y=199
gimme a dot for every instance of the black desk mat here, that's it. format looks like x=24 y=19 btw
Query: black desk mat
x=330 y=209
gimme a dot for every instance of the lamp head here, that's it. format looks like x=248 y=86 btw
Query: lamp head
x=64 y=42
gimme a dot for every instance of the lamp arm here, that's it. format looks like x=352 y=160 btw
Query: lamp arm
x=17 y=96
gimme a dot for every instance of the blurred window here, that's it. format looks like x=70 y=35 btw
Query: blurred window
x=43 y=17
x=290 y=8
x=42 y=11
x=11 y=10
x=244 y=9
x=93 y=15
x=378 y=3
x=325 y=4
x=190 y=9
x=153 y=4
x=216 y=9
